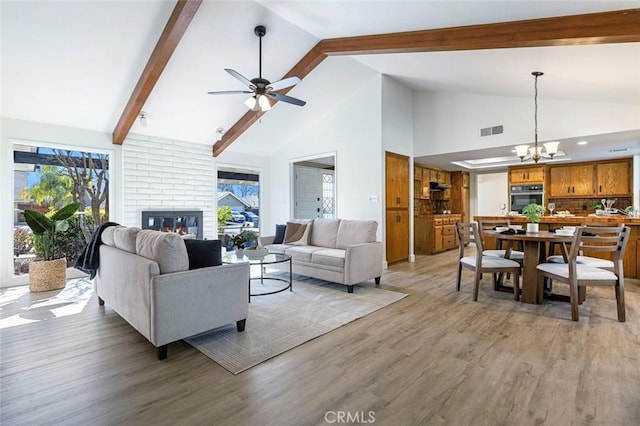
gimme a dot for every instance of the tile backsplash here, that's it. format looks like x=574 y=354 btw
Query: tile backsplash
x=583 y=206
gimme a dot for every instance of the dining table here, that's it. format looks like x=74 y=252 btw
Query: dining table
x=535 y=252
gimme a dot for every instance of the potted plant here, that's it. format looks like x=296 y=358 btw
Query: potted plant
x=533 y=211
x=50 y=273
x=240 y=241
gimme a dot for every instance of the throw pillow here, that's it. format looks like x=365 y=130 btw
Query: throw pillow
x=204 y=253
x=280 y=231
x=297 y=234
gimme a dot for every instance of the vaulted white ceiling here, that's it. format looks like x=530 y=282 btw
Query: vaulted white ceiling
x=75 y=63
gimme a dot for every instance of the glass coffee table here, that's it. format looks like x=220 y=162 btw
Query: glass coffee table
x=269 y=259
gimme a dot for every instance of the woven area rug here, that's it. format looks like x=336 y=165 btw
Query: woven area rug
x=279 y=322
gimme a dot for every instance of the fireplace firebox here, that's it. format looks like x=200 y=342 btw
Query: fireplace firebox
x=181 y=222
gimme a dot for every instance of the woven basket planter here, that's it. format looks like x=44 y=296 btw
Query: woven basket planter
x=47 y=275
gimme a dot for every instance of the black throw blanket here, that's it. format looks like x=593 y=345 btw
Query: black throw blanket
x=89 y=259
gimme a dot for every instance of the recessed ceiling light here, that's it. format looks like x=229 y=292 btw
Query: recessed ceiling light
x=583 y=143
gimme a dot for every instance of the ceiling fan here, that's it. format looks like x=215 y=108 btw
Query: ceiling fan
x=260 y=88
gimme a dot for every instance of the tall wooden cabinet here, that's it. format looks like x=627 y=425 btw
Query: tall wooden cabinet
x=397 y=207
x=460 y=194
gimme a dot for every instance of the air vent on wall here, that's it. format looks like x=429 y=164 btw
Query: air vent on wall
x=488 y=131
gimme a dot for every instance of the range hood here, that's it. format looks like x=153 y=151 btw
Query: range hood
x=437 y=186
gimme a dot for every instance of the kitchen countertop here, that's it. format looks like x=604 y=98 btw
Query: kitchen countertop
x=573 y=220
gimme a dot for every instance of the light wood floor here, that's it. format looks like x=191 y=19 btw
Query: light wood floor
x=434 y=357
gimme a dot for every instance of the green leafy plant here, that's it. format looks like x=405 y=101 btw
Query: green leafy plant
x=224 y=216
x=239 y=240
x=533 y=212
x=49 y=229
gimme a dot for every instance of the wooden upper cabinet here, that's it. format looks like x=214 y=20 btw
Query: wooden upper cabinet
x=571 y=181
x=526 y=175
x=439 y=176
x=397 y=181
x=582 y=177
x=559 y=182
x=613 y=178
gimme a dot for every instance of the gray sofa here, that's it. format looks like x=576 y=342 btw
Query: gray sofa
x=144 y=276
x=337 y=250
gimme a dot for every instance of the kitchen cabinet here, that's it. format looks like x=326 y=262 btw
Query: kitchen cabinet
x=397 y=170
x=397 y=180
x=421 y=178
x=460 y=194
x=614 y=178
x=436 y=233
x=575 y=180
x=397 y=235
x=526 y=175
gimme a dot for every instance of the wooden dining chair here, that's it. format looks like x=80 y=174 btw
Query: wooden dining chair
x=467 y=233
x=490 y=224
x=596 y=262
x=602 y=239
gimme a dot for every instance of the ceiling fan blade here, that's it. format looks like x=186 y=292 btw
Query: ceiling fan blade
x=229 y=92
x=285 y=82
x=240 y=77
x=288 y=99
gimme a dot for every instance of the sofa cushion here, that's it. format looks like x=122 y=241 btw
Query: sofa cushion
x=302 y=253
x=324 y=232
x=203 y=253
x=125 y=238
x=166 y=248
x=329 y=257
x=297 y=234
x=107 y=236
x=279 y=237
x=352 y=232
x=278 y=248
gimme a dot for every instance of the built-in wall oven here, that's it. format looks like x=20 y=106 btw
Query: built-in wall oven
x=521 y=195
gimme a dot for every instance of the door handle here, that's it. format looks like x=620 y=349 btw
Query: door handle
x=600 y=188
x=398 y=219
x=397 y=200
x=318 y=209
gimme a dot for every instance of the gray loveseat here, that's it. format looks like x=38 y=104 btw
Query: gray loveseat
x=144 y=276
x=337 y=250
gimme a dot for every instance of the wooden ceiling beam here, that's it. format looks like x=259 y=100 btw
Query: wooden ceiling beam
x=177 y=25
x=594 y=28
x=621 y=26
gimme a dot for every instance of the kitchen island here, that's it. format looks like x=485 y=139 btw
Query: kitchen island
x=632 y=255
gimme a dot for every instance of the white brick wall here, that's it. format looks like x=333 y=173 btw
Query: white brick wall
x=162 y=174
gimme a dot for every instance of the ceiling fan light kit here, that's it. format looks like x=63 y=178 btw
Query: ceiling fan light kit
x=262 y=90
x=524 y=152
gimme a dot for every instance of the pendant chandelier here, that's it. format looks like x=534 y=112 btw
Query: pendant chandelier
x=536 y=152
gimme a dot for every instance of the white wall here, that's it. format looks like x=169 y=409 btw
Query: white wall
x=397 y=136
x=451 y=122
x=351 y=130
x=20 y=131
x=491 y=189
